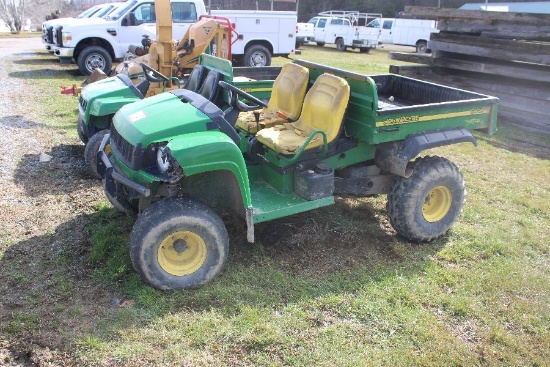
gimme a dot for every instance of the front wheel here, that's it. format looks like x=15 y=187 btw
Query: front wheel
x=94 y=57
x=80 y=130
x=91 y=149
x=424 y=206
x=257 y=55
x=178 y=243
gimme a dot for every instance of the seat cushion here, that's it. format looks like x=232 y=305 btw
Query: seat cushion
x=287 y=97
x=286 y=139
x=247 y=120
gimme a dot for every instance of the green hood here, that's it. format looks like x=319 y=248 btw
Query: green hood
x=158 y=118
x=110 y=87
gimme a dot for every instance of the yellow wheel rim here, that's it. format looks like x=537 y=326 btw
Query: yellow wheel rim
x=182 y=253
x=437 y=204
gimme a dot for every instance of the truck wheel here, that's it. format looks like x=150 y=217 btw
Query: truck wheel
x=340 y=46
x=80 y=130
x=424 y=206
x=364 y=50
x=422 y=47
x=178 y=243
x=298 y=44
x=257 y=55
x=320 y=44
x=93 y=57
x=90 y=151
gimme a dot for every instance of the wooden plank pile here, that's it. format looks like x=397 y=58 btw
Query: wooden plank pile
x=506 y=55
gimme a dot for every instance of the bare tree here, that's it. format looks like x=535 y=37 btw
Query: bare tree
x=11 y=12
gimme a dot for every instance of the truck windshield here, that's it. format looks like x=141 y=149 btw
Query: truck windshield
x=374 y=24
x=88 y=13
x=106 y=10
x=122 y=9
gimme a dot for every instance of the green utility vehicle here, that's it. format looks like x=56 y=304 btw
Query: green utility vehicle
x=176 y=160
x=99 y=101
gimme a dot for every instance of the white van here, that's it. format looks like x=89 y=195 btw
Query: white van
x=406 y=32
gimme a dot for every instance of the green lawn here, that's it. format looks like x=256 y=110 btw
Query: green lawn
x=332 y=287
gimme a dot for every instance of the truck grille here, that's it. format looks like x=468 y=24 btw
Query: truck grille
x=49 y=34
x=59 y=36
x=130 y=155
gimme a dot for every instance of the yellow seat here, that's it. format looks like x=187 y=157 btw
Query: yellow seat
x=285 y=104
x=324 y=107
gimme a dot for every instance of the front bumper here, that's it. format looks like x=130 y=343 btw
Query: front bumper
x=110 y=175
x=64 y=52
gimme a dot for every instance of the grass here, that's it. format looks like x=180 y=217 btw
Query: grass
x=336 y=287
x=20 y=35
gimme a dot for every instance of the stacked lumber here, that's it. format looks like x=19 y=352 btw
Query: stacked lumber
x=506 y=55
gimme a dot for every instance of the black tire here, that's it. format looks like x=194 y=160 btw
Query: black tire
x=123 y=207
x=166 y=231
x=257 y=55
x=364 y=50
x=90 y=152
x=93 y=57
x=340 y=46
x=298 y=44
x=80 y=130
x=320 y=44
x=424 y=206
x=422 y=47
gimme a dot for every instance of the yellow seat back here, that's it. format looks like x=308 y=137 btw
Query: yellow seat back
x=324 y=106
x=289 y=90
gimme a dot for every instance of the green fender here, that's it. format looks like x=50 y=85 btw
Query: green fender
x=208 y=151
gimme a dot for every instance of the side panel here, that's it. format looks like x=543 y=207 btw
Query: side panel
x=278 y=28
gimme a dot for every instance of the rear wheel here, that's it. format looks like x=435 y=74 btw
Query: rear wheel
x=178 y=243
x=257 y=55
x=424 y=206
x=364 y=50
x=422 y=47
x=90 y=151
x=340 y=46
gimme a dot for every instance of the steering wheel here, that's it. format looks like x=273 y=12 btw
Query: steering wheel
x=236 y=103
x=156 y=77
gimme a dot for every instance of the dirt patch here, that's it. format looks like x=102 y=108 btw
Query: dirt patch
x=46 y=198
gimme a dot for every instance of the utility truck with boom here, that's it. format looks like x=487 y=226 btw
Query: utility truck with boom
x=177 y=161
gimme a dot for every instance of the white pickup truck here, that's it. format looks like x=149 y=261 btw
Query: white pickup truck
x=97 y=11
x=305 y=32
x=95 y=43
x=345 y=29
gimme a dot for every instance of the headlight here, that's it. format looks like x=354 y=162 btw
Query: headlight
x=163 y=158
x=67 y=39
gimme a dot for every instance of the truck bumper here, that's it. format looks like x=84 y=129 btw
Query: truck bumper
x=64 y=52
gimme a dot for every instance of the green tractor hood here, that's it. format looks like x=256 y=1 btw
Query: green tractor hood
x=107 y=96
x=164 y=117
